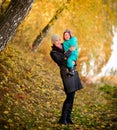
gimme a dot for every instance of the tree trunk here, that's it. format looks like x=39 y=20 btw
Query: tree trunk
x=2 y=5
x=11 y=19
x=37 y=42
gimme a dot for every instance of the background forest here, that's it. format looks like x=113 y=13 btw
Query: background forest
x=31 y=92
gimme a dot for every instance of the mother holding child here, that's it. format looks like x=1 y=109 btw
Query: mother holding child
x=65 y=56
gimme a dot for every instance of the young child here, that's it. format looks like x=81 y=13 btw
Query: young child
x=69 y=42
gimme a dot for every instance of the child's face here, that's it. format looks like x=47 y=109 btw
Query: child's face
x=66 y=36
x=57 y=43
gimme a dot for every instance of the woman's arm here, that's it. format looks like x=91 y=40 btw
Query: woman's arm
x=58 y=57
x=67 y=53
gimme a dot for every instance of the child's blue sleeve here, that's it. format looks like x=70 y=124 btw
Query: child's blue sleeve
x=74 y=41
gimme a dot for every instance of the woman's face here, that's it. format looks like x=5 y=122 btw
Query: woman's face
x=57 y=43
x=66 y=36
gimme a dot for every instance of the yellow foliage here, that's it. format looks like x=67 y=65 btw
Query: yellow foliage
x=90 y=21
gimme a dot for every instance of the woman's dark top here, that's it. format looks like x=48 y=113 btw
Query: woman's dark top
x=71 y=83
x=57 y=54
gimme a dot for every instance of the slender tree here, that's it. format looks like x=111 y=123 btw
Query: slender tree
x=37 y=42
x=11 y=19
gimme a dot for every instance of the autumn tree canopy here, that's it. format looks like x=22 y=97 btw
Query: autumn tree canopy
x=90 y=21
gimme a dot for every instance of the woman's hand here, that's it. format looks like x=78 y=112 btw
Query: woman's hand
x=72 y=48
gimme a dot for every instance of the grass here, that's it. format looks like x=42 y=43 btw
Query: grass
x=31 y=96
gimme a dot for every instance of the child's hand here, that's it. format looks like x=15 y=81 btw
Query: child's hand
x=72 y=48
x=73 y=62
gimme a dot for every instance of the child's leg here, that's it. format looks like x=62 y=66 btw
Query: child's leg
x=70 y=64
x=71 y=61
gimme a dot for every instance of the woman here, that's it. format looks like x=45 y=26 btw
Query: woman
x=71 y=83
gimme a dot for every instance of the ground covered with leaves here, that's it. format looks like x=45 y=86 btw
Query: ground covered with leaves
x=31 y=96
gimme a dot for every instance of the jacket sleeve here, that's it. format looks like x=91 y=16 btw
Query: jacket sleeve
x=58 y=58
x=73 y=41
x=67 y=53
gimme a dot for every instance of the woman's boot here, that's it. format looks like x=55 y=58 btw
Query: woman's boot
x=64 y=114
x=69 y=119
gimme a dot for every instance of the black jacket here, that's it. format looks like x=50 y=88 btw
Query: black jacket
x=58 y=56
x=71 y=83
